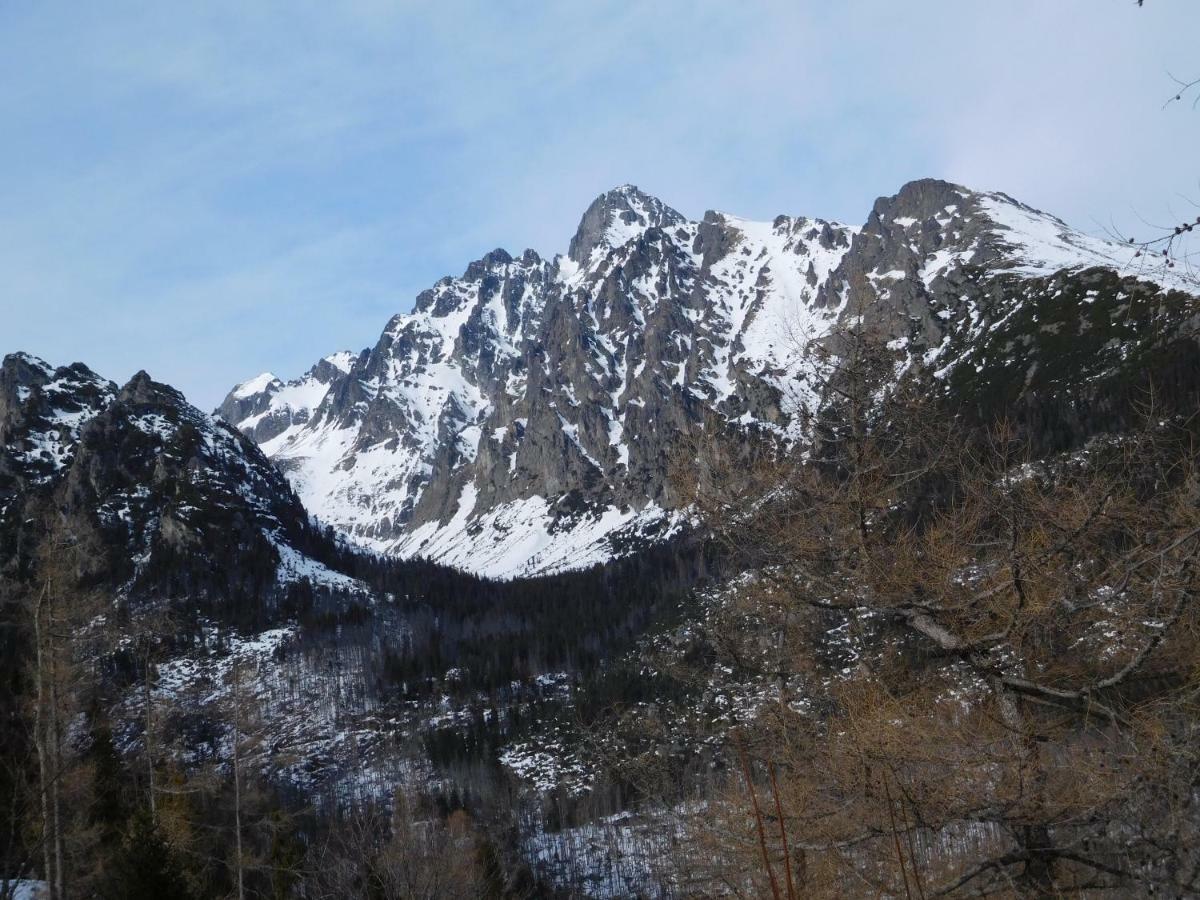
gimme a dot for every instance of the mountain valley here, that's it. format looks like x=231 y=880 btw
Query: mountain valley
x=468 y=569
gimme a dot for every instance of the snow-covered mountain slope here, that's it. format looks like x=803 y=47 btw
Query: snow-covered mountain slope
x=42 y=410
x=522 y=417
x=265 y=407
x=167 y=498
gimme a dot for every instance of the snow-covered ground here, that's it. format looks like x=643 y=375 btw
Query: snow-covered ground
x=525 y=538
x=24 y=889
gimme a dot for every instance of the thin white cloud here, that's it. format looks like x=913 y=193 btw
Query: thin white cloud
x=207 y=191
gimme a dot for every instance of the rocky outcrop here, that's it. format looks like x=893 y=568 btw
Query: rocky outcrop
x=614 y=217
x=42 y=410
x=265 y=407
x=165 y=499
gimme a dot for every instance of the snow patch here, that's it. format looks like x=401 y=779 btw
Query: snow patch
x=255 y=385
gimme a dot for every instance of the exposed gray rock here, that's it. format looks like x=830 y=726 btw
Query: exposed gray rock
x=265 y=406
x=614 y=216
x=42 y=409
x=527 y=409
x=159 y=496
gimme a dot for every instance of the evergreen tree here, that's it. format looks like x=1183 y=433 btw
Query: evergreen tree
x=145 y=867
x=286 y=857
x=107 y=812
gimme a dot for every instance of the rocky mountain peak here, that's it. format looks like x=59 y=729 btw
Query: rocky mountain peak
x=20 y=373
x=616 y=217
x=142 y=390
x=519 y=418
x=921 y=199
x=264 y=382
x=24 y=368
x=332 y=367
x=489 y=263
x=167 y=497
x=42 y=409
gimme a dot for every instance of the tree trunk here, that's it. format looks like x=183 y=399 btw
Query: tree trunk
x=237 y=779
x=1037 y=881
x=148 y=701
x=56 y=782
x=39 y=737
x=1037 y=878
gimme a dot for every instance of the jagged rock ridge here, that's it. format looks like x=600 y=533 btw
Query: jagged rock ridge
x=169 y=499
x=520 y=419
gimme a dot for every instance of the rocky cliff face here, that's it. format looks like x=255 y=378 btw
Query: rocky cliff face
x=521 y=418
x=264 y=407
x=42 y=410
x=166 y=498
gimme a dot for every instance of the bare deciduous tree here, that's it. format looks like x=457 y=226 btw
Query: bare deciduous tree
x=1171 y=244
x=67 y=638
x=986 y=664
x=406 y=855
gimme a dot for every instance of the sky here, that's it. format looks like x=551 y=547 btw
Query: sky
x=210 y=190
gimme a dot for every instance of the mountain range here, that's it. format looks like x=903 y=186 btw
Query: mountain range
x=521 y=419
x=297 y=548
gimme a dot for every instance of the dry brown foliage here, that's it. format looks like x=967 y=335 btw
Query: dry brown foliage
x=987 y=664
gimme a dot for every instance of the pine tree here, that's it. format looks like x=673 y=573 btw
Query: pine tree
x=107 y=812
x=146 y=867
x=286 y=856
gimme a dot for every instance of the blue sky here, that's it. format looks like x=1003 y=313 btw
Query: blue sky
x=210 y=190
